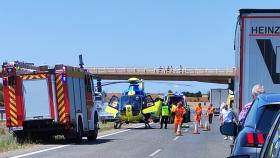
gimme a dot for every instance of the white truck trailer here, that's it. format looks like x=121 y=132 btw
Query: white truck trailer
x=257 y=48
x=217 y=97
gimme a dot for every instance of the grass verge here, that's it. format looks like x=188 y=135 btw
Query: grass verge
x=7 y=141
x=106 y=126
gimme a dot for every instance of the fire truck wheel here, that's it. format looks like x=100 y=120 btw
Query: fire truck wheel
x=20 y=137
x=93 y=134
x=79 y=134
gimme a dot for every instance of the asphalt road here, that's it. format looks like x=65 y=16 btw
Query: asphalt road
x=137 y=142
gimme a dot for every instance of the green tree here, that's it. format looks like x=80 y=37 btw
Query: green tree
x=170 y=91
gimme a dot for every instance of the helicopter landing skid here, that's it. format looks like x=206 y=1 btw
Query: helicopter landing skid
x=117 y=125
x=147 y=125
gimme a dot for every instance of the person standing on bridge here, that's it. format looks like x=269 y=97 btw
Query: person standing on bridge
x=180 y=111
x=197 y=118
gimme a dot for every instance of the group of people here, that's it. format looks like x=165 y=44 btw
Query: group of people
x=227 y=115
x=198 y=116
x=178 y=111
x=169 y=69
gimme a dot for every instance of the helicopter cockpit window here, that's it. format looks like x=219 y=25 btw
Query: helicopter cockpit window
x=134 y=101
x=114 y=102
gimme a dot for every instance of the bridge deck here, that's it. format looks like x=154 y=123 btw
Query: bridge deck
x=190 y=74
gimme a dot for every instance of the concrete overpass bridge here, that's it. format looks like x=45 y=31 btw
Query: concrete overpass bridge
x=221 y=76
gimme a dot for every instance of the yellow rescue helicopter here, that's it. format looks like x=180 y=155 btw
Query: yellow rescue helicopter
x=134 y=105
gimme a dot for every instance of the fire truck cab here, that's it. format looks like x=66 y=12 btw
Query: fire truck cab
x=43 y=101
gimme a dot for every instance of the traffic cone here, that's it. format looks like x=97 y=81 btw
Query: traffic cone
x=207 y=126
x=179 y=132
x=196 y=128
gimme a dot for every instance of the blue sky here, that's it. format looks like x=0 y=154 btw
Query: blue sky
x=125 y=33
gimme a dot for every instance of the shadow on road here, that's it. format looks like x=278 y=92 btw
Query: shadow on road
x=65 y=142
x=142 y=128
x=97 y=141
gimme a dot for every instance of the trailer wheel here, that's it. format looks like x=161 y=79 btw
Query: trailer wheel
x=79 y=134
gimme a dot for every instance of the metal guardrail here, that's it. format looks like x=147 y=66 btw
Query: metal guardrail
x=162 y=71
x=2 y=114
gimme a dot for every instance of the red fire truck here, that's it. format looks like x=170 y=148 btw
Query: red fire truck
x=43 y=101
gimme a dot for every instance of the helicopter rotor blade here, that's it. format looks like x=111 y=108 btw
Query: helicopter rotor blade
x=171 y=83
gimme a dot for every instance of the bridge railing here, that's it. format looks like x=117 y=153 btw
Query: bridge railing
x=161 y=71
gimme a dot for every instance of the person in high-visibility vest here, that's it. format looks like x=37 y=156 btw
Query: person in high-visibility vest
x=165 y=111
x=180 y=111
x=197 y=117
x=173 y=107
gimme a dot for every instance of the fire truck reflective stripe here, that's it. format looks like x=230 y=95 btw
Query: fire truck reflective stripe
x=12 y=94
x=59 y=85
x=12 y=101
x=12 y=106
x=60 y=98
x=14 y=121
x=13 y=114
x=62 y=118
x=60 y=105
x=58 y=79
x=30 y=77
x=12 y=89
x=61 y=111
x=60 y=91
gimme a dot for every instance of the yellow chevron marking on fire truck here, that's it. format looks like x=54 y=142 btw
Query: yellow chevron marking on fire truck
x=60 y=92
x=12 y=95
x=61 y=111
x=60 y=98
x=59 y=85
x=13 y=114
x=30 y=77
x=14 y=121
x=13 y=107
x=12 y=101
x=60 y=105
x=62 y=118
x=11 y=89
x=58 y=79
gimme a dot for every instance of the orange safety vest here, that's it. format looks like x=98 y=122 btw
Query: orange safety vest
x=198 y=113
x=179 y=113
x=210 y=110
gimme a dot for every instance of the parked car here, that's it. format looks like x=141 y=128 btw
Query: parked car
x=250 y=139
x=271 y=146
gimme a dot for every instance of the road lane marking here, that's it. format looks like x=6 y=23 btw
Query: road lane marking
x=154 y=153
x=40 y=151
x=176 y=138
x=63 y=146
x=113 y=133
